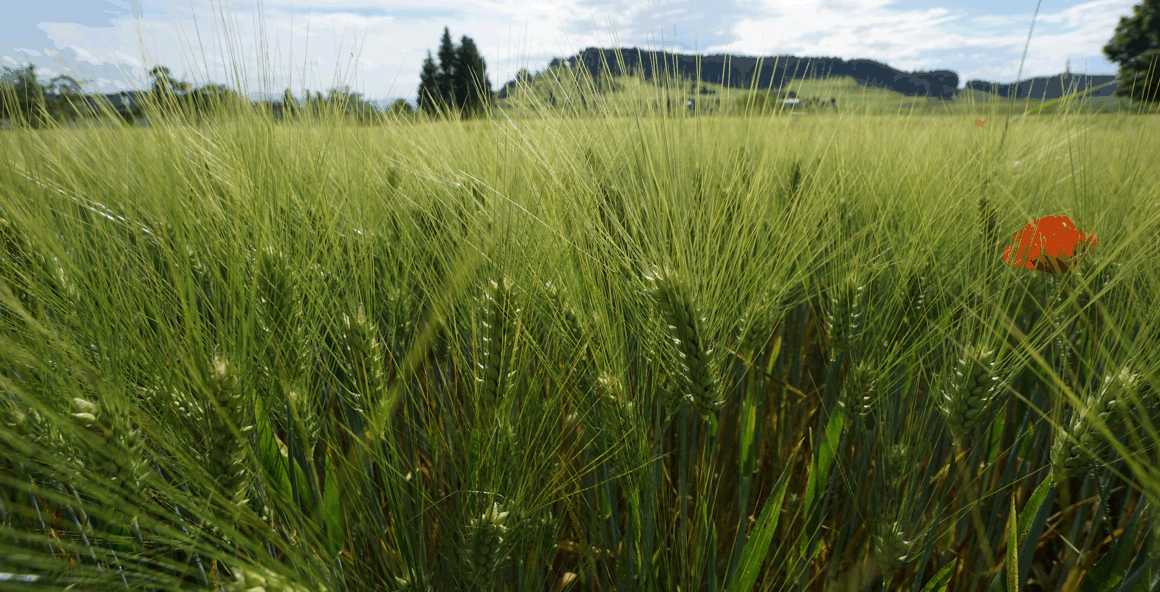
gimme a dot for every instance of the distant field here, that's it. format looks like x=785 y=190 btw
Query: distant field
x=631 y=94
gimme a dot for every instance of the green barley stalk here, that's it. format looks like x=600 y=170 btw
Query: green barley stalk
x=988 y=227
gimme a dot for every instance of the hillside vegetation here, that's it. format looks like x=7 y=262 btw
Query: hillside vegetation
x=569 y=91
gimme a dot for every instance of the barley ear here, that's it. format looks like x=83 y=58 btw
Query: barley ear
x=973 y=387
x=226 y=454
x=362 y=359
x=499 y=336
x=756 y=333
x=891 y=549
x=1078 y=446
x=618 y=414
x=305 y=415
x=575 y=335
x=1154 y=533
x=248 y=579
x=844 y=318
x=280 y=322
x=122 y=460
x=409 y=582
x=684 y=325
x=859 y=390
x=899 y=463
x=915 y=303
x=485 y=540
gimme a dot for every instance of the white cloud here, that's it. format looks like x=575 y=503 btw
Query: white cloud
x=125 y=58
x=925 y=38
x=10 y=61
x=390 y=38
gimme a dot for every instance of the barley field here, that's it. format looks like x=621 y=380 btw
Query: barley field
x=561 y=350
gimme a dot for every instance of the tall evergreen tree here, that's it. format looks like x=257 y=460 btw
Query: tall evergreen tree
x=448 y=68
x=428 y=86
x=472 y=86
x=289 y=103
x=1135 y=46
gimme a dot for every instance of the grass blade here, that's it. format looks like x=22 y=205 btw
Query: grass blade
x=757 y=549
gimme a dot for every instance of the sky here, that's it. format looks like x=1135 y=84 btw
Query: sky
x=377 y=47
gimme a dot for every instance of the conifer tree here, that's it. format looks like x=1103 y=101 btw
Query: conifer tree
x=428 y=100
x=448 y=68
x=472 y=86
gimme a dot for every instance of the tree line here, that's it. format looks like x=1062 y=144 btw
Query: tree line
x=457 y=85
x=23 y=97
x=26 y=101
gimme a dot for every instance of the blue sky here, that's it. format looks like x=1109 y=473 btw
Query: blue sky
x=378 y=46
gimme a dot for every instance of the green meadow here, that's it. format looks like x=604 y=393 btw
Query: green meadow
x=598 y=346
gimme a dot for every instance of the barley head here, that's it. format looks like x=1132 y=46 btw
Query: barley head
x=973 y=387
x=1154 y=548
x=498 y=341
x=684 y=324
x=485 y=539
x=122 y=459
x=859 y=390
x=226 y=454
x=891 y=549
x=409 y=582
x=280 y=320
x=899 y=462
x=619 y=412
x=756 y=333
x=915 y=304
x=1076 y=448
x=361 y=356
x=304 y=413
x=844 y=318
x=253 y=580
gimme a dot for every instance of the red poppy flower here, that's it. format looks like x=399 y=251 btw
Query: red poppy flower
x=980 y=122
x=1051 y=244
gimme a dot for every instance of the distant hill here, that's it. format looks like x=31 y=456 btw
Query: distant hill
x=1048 y=87
x=742 y=71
